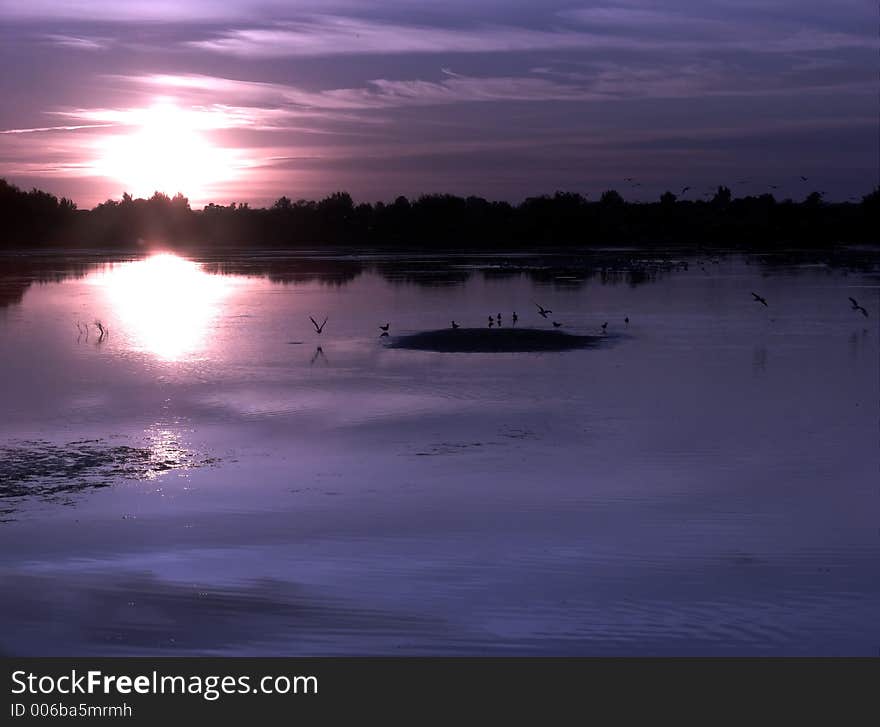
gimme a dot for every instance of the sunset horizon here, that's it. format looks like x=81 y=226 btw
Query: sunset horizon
x=249 y=101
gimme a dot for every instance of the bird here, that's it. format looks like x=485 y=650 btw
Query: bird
x=491 y=321
x=315 y=324
x=803 y=178
x=684 y=189
x=626 y=320
x=605 y=327
x=759 y=299
x=385 y=327
x=514 y=318
x=542 y=311
x=383 y=334
x=455 y=325
x=856 y=306
x=499 y=320
x=556 y=325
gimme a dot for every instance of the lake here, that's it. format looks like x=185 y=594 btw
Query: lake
x=212 y=476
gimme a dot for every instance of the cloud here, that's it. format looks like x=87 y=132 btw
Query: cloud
x=593 y=29
x=38 y=129
x=332 y=35
x=78 y=42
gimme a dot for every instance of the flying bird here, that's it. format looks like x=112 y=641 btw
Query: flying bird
x=684 y=189
x=803 y=178
x=385 y=327
x=759 y=299
x=542 y=311
x=315 y=324
x=856 y=306
x=556 y=325
x=455 y=325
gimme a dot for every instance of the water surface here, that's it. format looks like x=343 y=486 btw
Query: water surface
x=211 y=476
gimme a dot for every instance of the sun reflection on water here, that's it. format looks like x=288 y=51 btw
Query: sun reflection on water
x=164 y=304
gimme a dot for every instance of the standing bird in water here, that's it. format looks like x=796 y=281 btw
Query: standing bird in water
x=454 y=325
x=759 y=299
x=385 y=327
x=491 y=321
x=499 y=320
x=626 y=320
x=542 y=311
x=605 y=327
x=315 y=324
x=514 y=318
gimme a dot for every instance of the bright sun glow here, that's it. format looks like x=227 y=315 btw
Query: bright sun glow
x=167 y=151
x=165 y=305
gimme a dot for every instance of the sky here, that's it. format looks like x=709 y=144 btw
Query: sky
x=248 y=100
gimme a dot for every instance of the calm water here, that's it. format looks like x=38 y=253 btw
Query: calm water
x=204 y=479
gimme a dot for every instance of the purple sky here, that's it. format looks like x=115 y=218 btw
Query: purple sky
x=246 y=100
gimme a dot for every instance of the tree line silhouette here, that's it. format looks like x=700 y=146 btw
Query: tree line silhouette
x=31 y=219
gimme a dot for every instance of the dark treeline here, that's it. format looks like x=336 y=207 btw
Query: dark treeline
x=38 y=219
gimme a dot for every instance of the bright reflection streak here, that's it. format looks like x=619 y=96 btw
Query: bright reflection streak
x=164 y=304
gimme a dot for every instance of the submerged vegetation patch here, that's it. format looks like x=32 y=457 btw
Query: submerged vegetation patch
x=53 y=471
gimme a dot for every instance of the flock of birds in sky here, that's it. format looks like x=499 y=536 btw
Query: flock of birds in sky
x=713 y=190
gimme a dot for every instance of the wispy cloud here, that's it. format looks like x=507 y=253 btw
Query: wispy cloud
x=595 y=29
x=38 y=129
x=78 y=42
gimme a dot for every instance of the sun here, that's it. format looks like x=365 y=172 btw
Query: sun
x=166 y=151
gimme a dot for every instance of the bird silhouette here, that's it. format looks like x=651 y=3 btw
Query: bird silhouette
x=542 y=311
x=455 y=325
x=556 y=325
x=315 y=324
x=856 y=306
x=499 y=320
x=626 y=320
x=514 y=318
x=385 y=327
x=803 y=178
x=684 y=189
x=605 y=327
x=759 y=299
x=491 y=321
